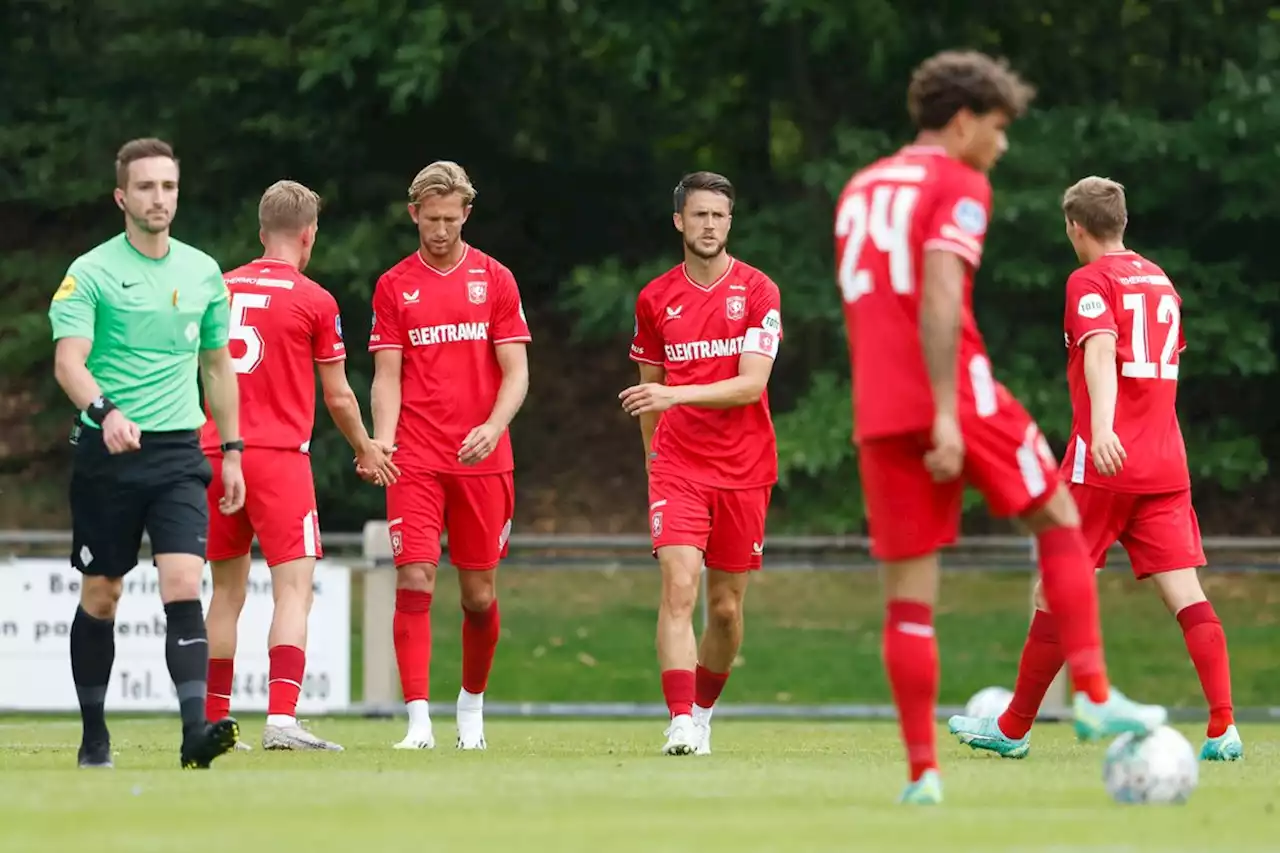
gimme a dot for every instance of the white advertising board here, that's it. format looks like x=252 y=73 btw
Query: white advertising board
x=38 y=599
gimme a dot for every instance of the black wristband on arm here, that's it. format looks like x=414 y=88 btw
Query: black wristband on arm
x=98 y=410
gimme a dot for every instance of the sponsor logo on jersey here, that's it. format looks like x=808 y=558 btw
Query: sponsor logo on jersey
x=448 y=333
x=1091 y=306
x=772 y=321
x=694 y=350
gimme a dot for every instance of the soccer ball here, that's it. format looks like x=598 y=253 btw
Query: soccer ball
x=1158 y=768
x=988 y=702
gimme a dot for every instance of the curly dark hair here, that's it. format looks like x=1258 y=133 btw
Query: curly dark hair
x=953 y=80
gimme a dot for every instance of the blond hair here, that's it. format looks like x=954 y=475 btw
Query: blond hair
x=288 y=206
x=1097 y=205
x=442 y=178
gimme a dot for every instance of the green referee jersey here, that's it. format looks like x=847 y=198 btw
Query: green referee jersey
x=148 y=320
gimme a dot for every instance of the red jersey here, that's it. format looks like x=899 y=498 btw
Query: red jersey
x=281 y=323
x=448 y=323
x=889 y=215
x=1127 y=296
x=699 y=334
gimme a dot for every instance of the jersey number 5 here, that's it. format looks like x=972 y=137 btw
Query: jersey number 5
x=242 y=330
x=1166 y=312
x=885 y=221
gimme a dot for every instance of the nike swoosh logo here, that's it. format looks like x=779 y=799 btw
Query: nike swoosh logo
x=130 y=283
x=192 y=642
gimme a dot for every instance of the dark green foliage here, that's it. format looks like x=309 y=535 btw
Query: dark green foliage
x=576 y=118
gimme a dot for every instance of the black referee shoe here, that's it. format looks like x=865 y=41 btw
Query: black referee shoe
x=96 y=753
x=200 y=748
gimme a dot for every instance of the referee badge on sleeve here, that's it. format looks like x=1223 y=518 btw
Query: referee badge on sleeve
x=65 y=289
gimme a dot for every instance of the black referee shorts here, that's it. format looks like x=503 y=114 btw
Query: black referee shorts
x=159 y=488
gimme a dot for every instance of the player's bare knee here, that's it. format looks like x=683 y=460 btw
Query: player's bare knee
x=478 y=590
x=1179 y=589
x=1038 y=601
x=679 y=592
x=1059 y=511
x=915 y=579
x=419 y=577
x=181 y=576
x=99 y=596
x=724 y=609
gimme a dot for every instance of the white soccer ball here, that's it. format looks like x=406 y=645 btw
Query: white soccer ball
x=988 y=702
x=1159 y=768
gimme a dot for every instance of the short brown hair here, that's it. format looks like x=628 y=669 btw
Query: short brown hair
x=139 y=149
x=709 y=181
x=288 y=206
x=956 y=80
x=443 y=177
x=1097 y=205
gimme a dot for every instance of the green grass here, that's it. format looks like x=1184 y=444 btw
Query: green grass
x=590 y=786
x=814 y=637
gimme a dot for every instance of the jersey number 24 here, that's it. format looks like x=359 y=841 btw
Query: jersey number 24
x=885 y=221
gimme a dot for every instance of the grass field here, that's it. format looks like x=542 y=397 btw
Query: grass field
x=814 y=637
x=586 y=786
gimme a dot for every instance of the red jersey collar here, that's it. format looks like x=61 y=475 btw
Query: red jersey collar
x=684 y=268
x=466 y=252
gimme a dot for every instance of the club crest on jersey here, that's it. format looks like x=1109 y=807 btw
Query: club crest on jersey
x=477 y=292
x=337 y=324
x=736 y=307
x=656 y=524
x=397 y=543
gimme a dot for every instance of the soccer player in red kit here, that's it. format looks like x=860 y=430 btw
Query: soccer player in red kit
x=281 y=324
x=706 y=335
x=928 y=413
x=450 y=373
x=1126 y=463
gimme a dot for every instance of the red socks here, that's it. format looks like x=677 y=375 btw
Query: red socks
x=708 y=686
x=1072 y=595
x=911 y=661
x=679 y=688
x=479 y=642
x=411 y=630
x=1041 y=660
x=217 y=702
x=1207 y=645
x=284 y=679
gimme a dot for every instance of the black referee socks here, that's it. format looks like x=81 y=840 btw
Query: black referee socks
x=186 y=651
x=93 y=651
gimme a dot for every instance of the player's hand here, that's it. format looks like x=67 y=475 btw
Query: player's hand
x=373 y=463
x=946 y=460
x=478 y=444
x=232 y=500
x=120 y=434
x=1108 y=453
x=649 y=397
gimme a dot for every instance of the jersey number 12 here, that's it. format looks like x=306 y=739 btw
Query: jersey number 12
x=1166 y=312
x=886 y=222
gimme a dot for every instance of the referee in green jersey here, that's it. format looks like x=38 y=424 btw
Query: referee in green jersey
x=132 y=319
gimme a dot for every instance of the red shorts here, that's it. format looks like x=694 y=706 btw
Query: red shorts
x=279 y=507
x=475 y=510
x=1160 y=533
x=727 y=525
x=1006 y=459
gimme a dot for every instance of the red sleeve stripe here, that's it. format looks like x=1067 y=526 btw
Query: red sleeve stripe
x=1092 y=332
x=939 y=245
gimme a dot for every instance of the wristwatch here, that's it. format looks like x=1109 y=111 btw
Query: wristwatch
x=228 y=446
